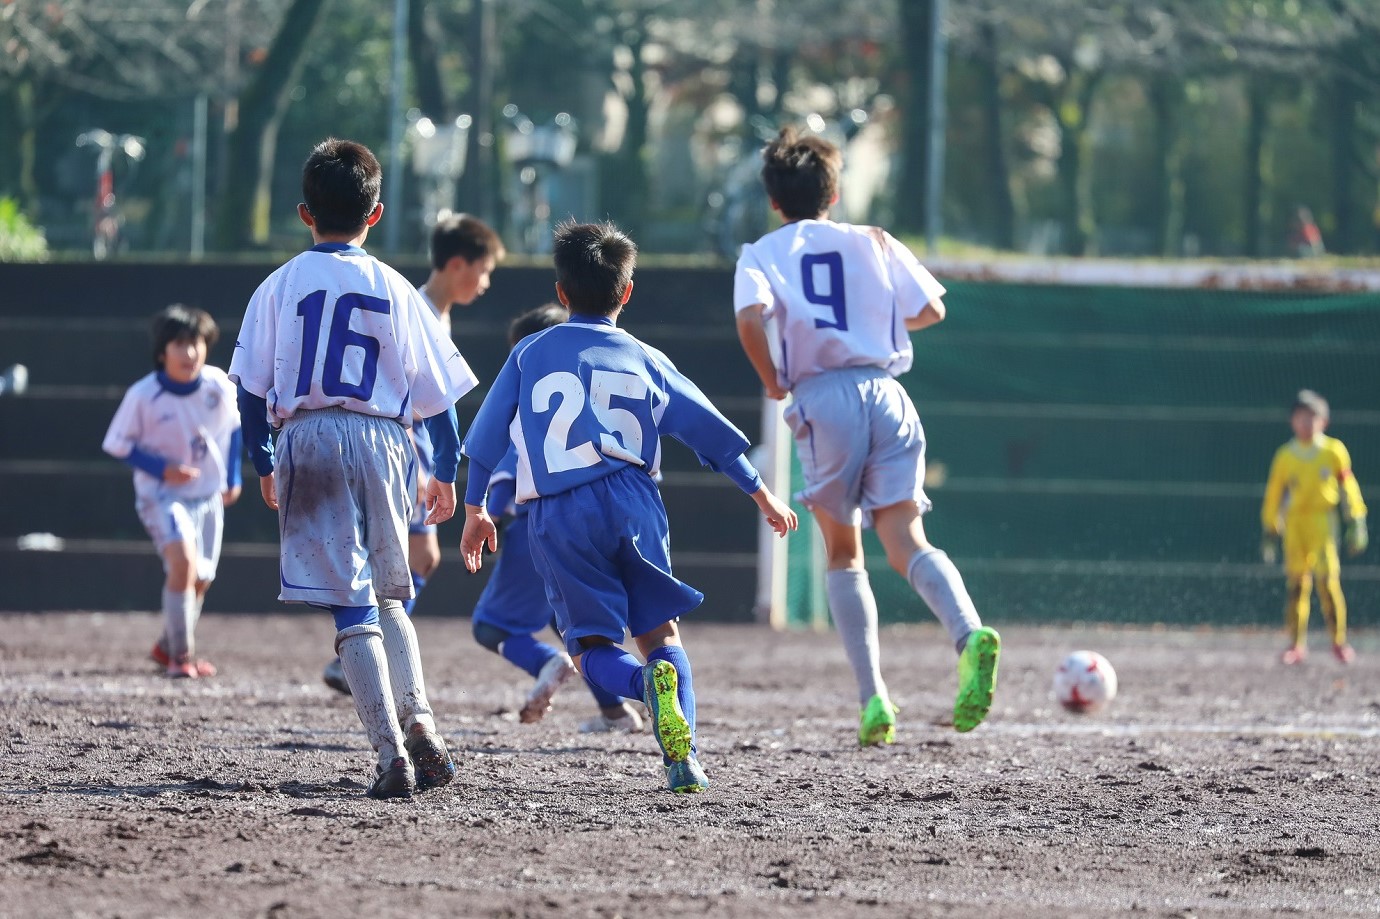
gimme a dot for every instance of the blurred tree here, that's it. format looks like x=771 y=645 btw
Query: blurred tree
x=242 y=215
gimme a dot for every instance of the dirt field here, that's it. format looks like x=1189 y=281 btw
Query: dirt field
x=1219 y=784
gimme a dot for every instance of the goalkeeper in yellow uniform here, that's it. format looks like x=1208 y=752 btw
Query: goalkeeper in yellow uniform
x=1310 y=482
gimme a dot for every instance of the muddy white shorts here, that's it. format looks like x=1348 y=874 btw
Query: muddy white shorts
x=198 y=521
x=346 y=484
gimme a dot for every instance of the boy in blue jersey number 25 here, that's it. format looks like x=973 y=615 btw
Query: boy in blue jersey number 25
x=585 y=405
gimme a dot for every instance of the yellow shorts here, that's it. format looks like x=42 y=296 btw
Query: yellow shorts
x=1310 y=545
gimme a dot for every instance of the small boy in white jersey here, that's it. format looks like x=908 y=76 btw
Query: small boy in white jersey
x=843 y=300
x=179 y=430
x=464 y=253
x=586 y=405
x=343 y=355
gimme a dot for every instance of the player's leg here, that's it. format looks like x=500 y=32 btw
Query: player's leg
x=1333 y=604
x=936 y=579
x=179 y=598
x=423 y=557
x=359 y=645
x=669 y=691
x=209 y=528
x=616 y=714
x=1300 y=559
x=424 y=744
x=854 y=608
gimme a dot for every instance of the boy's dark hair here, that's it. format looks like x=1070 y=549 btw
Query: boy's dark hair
x=534 y=320
x=594 y=265
x=801 y=173
x=341 y=181
x=181 y=323
x=468 y=237
x=1313 y=402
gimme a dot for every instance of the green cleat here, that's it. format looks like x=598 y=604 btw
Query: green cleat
x=977 y=678
x=672 y=731
x=878 y=723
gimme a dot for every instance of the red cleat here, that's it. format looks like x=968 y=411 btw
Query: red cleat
x=1345 y=654
x=1292 y=656
x=160 y=655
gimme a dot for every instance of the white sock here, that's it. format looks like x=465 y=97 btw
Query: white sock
x=404 y=666
x=178 y=622
x=366 y=670
x=855 y=616
x=935 y=578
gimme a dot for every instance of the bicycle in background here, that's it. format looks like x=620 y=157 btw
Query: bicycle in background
x=107 y=223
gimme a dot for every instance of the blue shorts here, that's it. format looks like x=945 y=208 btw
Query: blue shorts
x=603 y=550
x=514 y=600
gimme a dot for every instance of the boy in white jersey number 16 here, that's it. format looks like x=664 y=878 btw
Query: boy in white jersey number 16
x=342 y=355
x=585 y=405
x=178 y=429
x=843 y=300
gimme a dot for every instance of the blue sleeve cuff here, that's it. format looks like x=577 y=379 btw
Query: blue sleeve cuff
x=478 y=484
x=234 y=460
x=445 y=444
x=743 y=474
x=147 y=462
x=255 y=431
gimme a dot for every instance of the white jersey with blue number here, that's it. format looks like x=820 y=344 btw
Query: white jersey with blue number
x=192 y=430
x=582 y=400
x=336 y=327
x=839 y=296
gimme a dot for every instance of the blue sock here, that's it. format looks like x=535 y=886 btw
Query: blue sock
x=603 y=697
x=685 y=685
x=526 y=652
x=418 y=582
x=613 y=670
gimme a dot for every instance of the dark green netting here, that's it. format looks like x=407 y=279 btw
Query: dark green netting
x=1104 y=449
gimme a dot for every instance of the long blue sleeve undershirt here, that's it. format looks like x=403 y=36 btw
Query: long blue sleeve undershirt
x=147 y=462
x=255 y=431
x=444 y=429
x=477 y=486
x=742 y=473
x=233 y=459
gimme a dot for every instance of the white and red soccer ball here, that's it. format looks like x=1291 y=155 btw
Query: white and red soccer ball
x=1085 y=682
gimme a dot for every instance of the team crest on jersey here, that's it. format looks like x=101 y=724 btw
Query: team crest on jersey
x=212 y=400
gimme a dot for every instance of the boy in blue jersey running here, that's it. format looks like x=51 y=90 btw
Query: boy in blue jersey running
x=585 y=405
x=513 y=608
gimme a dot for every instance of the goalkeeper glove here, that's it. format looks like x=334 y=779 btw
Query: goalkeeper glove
x=1269 y=548
x=1356 y=536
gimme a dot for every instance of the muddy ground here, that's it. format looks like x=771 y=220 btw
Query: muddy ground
x=1219 y=784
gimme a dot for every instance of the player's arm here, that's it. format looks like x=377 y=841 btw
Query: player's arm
x=444 y=430
x=1353 y=507
x=233 y=452
x=932 y=314
x=121 y=442
x=258 y=437
x=485 y=446
x=752 y=333
x=1269 y=508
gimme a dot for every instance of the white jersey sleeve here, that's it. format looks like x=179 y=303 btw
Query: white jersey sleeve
x=835 y=295
x=336 y=327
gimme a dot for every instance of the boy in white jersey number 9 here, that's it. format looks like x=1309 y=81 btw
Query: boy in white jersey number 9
x=585 y=405
x=843 y=300
x=343 y=355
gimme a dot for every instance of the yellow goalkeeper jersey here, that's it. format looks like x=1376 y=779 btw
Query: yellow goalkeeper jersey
x=1310 y=478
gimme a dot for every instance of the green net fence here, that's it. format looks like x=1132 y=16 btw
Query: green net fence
x=1099 y=453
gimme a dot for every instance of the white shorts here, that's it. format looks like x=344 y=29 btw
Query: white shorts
x=860 y=443
x=346 y=484
x=197 y=521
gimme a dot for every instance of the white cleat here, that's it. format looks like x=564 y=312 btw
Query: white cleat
x=630 y=722
x=551 y=678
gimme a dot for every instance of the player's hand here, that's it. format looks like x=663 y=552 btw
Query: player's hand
x=269 y=491
x=1269 y=548
x=774 y=391
x=479 y=532
x=230 y=496
x=1357 y=537
x=779 y=515
x=178 y=474
x=440 y=501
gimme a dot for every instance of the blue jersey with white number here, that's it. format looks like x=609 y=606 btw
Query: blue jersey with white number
x=583 y=399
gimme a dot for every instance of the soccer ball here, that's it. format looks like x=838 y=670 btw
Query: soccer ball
x=1085 y=682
